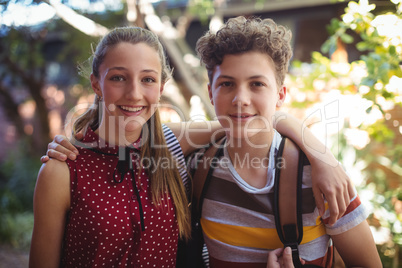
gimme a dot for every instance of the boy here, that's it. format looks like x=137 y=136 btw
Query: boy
x=247 y=60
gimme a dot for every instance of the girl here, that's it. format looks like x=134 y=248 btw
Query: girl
x=105 y=209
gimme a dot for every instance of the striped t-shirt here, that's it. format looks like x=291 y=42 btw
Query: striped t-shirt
x=238 y=219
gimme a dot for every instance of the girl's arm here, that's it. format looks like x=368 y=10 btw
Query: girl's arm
x=357 y=247
x=329 y=178
x=51 y=204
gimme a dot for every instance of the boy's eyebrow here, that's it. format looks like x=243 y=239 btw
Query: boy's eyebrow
x=225 y=77
x=249 y=78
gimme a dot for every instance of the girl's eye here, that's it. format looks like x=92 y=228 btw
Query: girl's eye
x=149 y=80
x=117 y=78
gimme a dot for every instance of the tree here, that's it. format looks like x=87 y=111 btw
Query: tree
x=369 y=141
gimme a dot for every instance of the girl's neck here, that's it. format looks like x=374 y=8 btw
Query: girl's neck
x=117 y=137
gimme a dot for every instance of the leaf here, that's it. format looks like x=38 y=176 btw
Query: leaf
x=362 y=46
x=346 y=38
x=392 y=51
x=325 y=47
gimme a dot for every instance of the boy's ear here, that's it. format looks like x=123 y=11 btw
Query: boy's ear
x=210 y=93
x=281 y=96
x=95 y=85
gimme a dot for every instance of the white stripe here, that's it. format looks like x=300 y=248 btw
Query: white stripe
x=229 y=214
x=231 y=253
x=177 y=153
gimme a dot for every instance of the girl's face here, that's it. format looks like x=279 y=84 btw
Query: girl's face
x=130 y=84
x=245 y=94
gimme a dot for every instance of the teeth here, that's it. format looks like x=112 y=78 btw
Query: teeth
x=131 y=109
x=241 y=116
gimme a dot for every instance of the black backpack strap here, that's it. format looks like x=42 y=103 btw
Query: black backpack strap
x=287 y=193
x=203 y=174
x=190 y=253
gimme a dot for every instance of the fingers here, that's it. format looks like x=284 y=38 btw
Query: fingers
x=333 y=208
x=61 y=148
x=351 y=190
x=287 y=261
x=44 y=159
x=273 y=258
x=338 y=201
x=59 y=156
x=319 y=201
x=79 y=136
x=63 y=141
x=280 y=258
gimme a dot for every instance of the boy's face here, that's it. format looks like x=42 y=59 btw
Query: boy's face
x=245 y=95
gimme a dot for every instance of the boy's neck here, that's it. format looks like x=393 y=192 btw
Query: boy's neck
x=250 y=158
x=257 y=146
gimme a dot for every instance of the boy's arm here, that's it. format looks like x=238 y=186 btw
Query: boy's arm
x=191 y=136
x=329 y=178
x=61 y=148
x=51 y=203
x=357 y=247
x=195 y=135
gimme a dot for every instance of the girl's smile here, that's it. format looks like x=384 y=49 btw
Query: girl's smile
x=130 y=85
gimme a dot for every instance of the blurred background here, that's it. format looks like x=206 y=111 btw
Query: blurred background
x=344 y=82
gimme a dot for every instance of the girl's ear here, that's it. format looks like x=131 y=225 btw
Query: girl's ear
x=161 y=89
x=210 y=94
x=281 y=96
x=95 y=85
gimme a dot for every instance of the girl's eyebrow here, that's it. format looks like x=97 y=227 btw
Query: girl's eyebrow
x=117 y=68
x=120 y=68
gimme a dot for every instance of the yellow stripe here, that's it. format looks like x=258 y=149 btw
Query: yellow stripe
x=266 y=238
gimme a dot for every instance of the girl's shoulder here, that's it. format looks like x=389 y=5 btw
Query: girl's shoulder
x=54 y=167
x=53 y=182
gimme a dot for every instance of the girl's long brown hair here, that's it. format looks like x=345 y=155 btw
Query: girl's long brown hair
x=163 y=180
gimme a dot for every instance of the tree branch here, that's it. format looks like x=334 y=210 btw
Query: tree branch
x=76 y=20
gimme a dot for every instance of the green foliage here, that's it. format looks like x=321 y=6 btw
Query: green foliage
x=16 y=229
x=375 y=81
x=17 y=181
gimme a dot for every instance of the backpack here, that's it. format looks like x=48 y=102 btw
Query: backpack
x=287 y=202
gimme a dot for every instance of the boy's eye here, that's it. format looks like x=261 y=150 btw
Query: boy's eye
x=117 y=78
x=226 y=84
x=257 y=84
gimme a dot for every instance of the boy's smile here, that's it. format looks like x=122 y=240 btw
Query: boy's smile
x=245 y=94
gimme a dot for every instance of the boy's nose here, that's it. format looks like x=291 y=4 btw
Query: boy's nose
x=241 y=97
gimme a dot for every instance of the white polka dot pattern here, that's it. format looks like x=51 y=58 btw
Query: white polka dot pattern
x=103 y=228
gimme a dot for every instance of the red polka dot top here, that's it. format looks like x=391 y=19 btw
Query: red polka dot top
x=112 y=220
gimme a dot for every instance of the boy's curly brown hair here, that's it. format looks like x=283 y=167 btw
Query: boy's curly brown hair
x=239 y=35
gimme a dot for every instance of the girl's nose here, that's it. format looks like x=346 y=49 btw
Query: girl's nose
x=134 y=91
